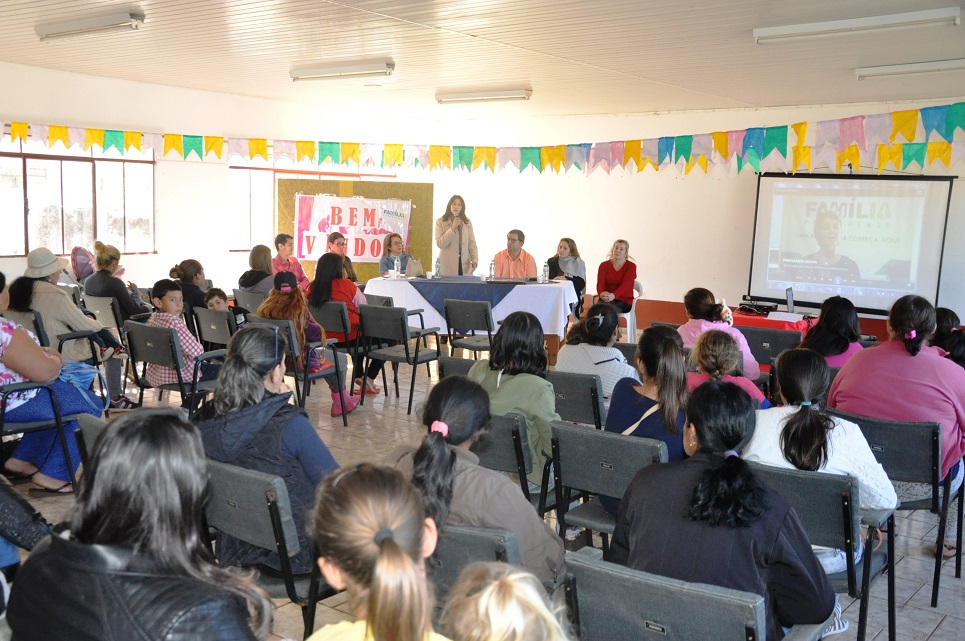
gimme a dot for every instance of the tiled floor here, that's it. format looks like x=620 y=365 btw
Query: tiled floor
x=382 y=424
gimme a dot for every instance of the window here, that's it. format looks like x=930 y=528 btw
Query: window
x=252 y=193
x=72 y=198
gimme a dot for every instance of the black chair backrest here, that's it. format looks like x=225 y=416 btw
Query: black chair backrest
x=629 y=351
x=867 y=344
x=384 y=323
x=379 y=301
x=286 y=327
x=601 y=462
x=451 y=366
x=249 y=300
x=766 y=343
x=469 y=315
x=157 y=345
x=213 y=326
x=774 y=385
x=505 y=447
x=33 y=321
x=105 y=308
x=332 y=317
x=609 y=601
x=664 y=324
x=459 y=546
x=579 y=397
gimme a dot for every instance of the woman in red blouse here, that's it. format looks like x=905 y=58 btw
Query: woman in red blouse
x=615 y=277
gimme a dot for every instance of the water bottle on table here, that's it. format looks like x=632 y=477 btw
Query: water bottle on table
x=546 y=273
x=492 y=270
x=397 y=268
x=437 y=273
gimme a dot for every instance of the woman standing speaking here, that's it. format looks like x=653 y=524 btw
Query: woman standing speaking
x=456 y=240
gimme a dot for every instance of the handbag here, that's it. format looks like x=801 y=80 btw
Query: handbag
x=81 y=376
x=413 y=267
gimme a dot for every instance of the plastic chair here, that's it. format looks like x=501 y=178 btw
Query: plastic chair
x=631 y=316
x=254 y=507
x=214 y=328
x=579 y=397
x=505 y=448
x=460 y=546
x=249 y=300
x=469 y=316
x=451 y=366
x=596 y=462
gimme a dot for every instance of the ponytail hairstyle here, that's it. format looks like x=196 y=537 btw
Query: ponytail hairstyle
x=287 y=302
x=456 y=411
x=728 y=493
x=369 y=522
x=803 y=377
x=186 y=270
x=912 y=319
x=660 y=355
x=106 y=254
x=22 y=293
x=596 y=328
x=253 y=352
x=836 y=329
x=500 y=602
x=948 y=335
x=717 y=353
x=701 y=304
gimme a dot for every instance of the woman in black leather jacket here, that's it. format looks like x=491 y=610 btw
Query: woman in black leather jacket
x=133 y=564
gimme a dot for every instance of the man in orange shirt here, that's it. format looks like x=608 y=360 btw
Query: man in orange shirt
x=514 y=261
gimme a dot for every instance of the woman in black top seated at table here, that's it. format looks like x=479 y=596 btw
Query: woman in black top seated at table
x=566 y=264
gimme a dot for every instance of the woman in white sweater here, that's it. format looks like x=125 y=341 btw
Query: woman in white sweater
x=589 y=349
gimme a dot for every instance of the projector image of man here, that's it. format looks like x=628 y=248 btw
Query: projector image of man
x=827 y=234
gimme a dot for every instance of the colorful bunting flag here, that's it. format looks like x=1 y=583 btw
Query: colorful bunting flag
x=57 y=134
x=954 y=119
x=800 y=130
x=530 y=156
x=39 y=133
x=939 y=150
x=650 y=152
x=702 y=145
x=664 y=150
x=133 y=139
x=877 y=128
x=775 y=138
x=633 y=152
x=577 y=156
x=214 y=145
x=828 y=132
x=417 y=155
x=934 y=119
x=600 y=157
x=913 y=152
x=77 y=136
x=507 y=155
x=371 y=155
x=193 y=144
x=329 y=151
x=352 y=151
x=152 y=142
x=18 y=131
x=114 y=138
x=462 y=157
x=889 y=154
x=94 y=137
x=800 y=156
x=616 y=153
x=440 y=156
x=393 y=155
x=682 y=148
x=484 y=156
x=904 y=123
x=173 y=142
x=721 y=146
x=553 y=156
x=852 y=133
x=850 y=155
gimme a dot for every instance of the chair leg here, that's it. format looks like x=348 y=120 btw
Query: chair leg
x=395 y=379
x=865 y=592
x=415 y=370
x=892 y=615
x=942 y=524
x=958 y=547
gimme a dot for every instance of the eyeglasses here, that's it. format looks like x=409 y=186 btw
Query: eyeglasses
x=340 y=243
x=512 y=240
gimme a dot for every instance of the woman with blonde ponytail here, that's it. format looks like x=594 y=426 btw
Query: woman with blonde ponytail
x=373 y=537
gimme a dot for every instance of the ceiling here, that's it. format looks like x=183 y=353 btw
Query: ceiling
x=577 y=56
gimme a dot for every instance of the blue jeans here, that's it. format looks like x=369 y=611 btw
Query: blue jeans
x=43 y=448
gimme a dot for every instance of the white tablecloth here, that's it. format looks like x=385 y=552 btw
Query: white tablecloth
x=550 y=303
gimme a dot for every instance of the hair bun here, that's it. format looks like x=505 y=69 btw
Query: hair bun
x=99 y=246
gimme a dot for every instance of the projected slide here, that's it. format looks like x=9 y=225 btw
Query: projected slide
x=869 y=240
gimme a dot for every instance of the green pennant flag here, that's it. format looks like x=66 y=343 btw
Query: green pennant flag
x=754 y=161
x=954 y=119
x=775 y=138
x=913 y=151
x=115 y=139
x=328 y=150
x=462 y=157
x=530 y=156
x=195 y=144
x=683 y=145
x=740 y=163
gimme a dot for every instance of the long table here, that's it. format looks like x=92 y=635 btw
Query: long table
x=549 y=302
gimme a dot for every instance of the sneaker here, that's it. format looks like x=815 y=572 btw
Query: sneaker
x=105 y=353
x=838 y=624
x=573 y=533
x=123 y=403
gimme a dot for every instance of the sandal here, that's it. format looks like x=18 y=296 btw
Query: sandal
x=949 y=550
x=370 y=388
x=63 y=489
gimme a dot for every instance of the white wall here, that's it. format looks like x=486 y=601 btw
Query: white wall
x=683 y=231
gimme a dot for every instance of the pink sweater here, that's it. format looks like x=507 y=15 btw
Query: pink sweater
x=888 y=382
x=693 y=328
x=838 y=360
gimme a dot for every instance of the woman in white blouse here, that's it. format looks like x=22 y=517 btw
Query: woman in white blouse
x=802 y=435
x=589 y=349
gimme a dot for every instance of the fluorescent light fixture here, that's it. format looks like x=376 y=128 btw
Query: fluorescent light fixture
x=936 y=66
x=87 y=26
x=357 y=69
x=930 y=17
x=484 y=96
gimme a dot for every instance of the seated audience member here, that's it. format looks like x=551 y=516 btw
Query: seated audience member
x=216 y=300
x=285 y=262
x=566 y=264
x=708 y=519
x=514 y=378
x=134 y=563
x=514 y=261
x=287 y=302
x=654 y=409
x=589 y=349
x=337 y=245
x=190 y=274
x=331 y=285
x=260 y=277
x=251 y=424
x=457 y=491
x=948 y=335
x=169 y=304
x=704 y=314
x=39 y=455
x=392 y=249
x=716 y=356
x=497 y=602
x=905 y=380
x=836 y=334
x=373 y=536
x=615 y=277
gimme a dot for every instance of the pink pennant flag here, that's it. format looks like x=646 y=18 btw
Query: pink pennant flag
x=370 y=154
x=284 y=149
x=824 y=156
x=40 y=133
x=958 y=151
x=600 y=157
x=851 y=133
x=616 y=153
x=76 y=135
x=415 y=153
x=703 y=145
x=877 y=129
x=236 y=147
x=735 y=142
x=506 y=156
x=149 y=142
x=828 y=133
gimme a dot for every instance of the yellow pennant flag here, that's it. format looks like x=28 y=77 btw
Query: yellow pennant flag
x=58 y=134
x=801 y=129
x=257 y=147
x=485 y=155
x=93 y=137
x=940 y=150
x=393 y=155
x=553 y=157
x=650 y=161
x=904 y=123
x=173 y=142
x=851 y=154
x=18 y=130
x=633 y=150
x=720 y=143
x=702 y=162
x=801 y=155
x=351 y=151
x=888 y=154
x=133 y=139
x=214 y=145
x=304 y=150
x=440 y=154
